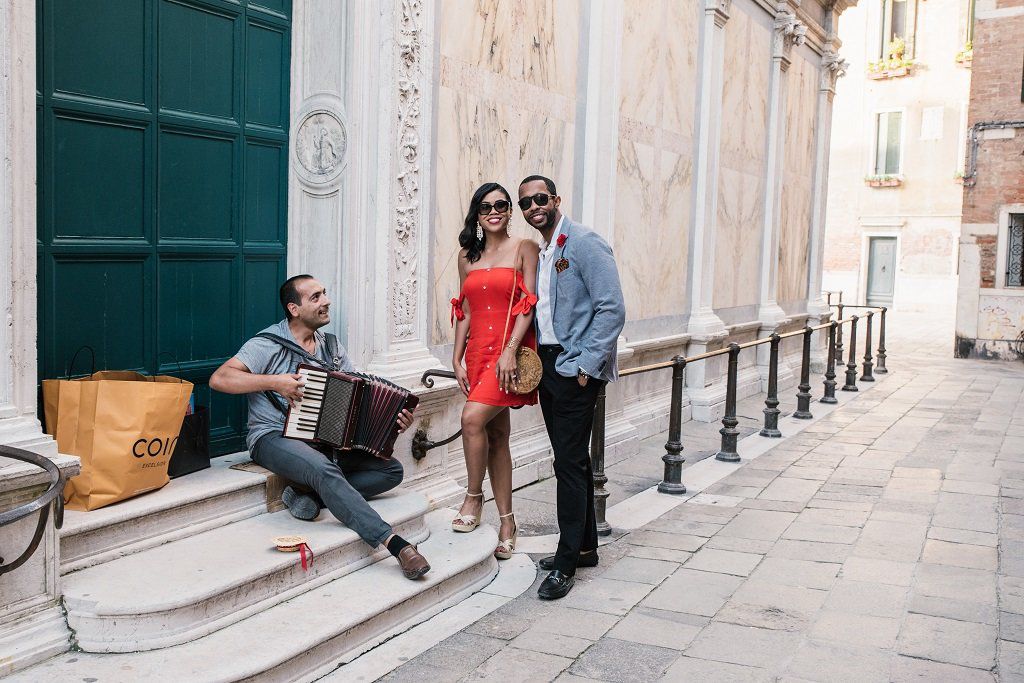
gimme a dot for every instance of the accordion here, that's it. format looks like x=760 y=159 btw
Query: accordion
x=348 y=410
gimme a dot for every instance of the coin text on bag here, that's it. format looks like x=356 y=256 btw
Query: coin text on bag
x=154 y=447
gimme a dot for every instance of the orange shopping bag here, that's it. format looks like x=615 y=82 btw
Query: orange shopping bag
x=123 y=426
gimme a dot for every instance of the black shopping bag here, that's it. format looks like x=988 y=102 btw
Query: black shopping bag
x=192 y=452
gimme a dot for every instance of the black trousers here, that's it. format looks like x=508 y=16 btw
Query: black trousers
x=569 y=416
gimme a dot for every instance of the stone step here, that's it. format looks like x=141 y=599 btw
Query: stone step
x=186 y=506
x=311 y=634
x=188 y=588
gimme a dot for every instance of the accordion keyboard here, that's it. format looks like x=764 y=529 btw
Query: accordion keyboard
x=305 y=413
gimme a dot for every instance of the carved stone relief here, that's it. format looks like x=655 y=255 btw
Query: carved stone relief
x=408 y=204
x=320 y=145
x=833 y=67
x=789 y=31
x=720 y=8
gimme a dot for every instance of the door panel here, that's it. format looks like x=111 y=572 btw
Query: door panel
x=79 y=179
x=162 y=201
x=197 y=46
x=881 y=271
x=196 y=182
x=100 y=49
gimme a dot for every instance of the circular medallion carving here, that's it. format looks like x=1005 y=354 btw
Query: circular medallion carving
x=320 y=145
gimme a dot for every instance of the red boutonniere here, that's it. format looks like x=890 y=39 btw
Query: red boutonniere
x=561 y=240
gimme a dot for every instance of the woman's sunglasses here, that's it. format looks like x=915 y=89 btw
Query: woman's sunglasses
x=501 y=206
x=540 y=199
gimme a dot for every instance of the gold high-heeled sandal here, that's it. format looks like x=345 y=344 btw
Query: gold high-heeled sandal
x=507 y=547
x=466 y=523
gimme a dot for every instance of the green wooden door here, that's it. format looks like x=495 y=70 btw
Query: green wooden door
x=163 y=146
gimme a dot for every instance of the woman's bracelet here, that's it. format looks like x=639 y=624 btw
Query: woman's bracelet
x=513 y=344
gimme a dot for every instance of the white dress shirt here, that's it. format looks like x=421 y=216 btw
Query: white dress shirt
x=545 y=292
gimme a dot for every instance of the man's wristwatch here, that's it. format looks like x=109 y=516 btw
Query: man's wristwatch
x=583 y=372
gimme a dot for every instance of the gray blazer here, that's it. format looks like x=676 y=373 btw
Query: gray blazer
x=588 y=310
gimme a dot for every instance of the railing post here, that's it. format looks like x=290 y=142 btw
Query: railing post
x=839 y=333
x=828 y=298
x=803 y=394
x=830 y=366
x=597 y=463
x=771 y=402
x=880 y=368
x=867 y=376
x=673 y=458
x=728 y=431
x=851 y=366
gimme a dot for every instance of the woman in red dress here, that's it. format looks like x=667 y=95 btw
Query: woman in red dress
x=495 y=270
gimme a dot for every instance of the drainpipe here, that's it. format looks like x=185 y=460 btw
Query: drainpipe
x=971 y=177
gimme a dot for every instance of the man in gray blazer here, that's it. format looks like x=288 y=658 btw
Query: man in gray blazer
x=579 y=315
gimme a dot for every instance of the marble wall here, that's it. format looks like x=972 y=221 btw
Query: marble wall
x=741 y=176
x=655 y=155
x=506 y=108
x=797 y=181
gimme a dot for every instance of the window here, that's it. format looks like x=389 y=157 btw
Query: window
x=1015 y=251
x=897 y=23
x=888 y=134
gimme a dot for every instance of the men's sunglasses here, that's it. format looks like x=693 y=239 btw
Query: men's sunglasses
x=501 y=206
x=540 y=199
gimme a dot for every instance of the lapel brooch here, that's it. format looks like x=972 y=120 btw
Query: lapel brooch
x=562 y=263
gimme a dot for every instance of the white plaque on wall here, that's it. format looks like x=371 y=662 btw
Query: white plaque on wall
x=320 y=143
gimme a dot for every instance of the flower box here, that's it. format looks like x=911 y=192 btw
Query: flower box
x=966 y=55
x=883 y=180
x=889 y=73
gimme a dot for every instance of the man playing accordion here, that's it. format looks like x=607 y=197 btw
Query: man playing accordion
x=265 y=369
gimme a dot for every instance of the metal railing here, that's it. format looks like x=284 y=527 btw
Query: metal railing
x=53 y=494
x=672 y=478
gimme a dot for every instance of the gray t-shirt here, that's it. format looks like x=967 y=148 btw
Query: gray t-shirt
x=267 y=357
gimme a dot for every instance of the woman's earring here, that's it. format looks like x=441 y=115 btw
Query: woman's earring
x=479 y=232
x=508 y=228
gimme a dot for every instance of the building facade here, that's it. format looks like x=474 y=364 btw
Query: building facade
x=897 y=154
x=152 y=219
x=990 y=299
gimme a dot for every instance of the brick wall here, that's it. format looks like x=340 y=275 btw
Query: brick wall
x=996 y=75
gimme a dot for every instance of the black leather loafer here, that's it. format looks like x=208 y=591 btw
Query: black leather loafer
x=556 y=586
x=586 y=560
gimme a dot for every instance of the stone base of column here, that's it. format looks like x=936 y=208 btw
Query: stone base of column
x=27 y=433
x=705 y=327
x=404 y=363
x=819 y=313
x=772 y=318
x=32 y=638
x=708 y=404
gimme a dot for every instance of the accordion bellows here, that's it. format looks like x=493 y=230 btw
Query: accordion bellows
x=348 y=411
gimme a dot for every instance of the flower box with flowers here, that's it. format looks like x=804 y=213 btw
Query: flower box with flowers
x=883 y=180
x=965 y=56
x=894 y=65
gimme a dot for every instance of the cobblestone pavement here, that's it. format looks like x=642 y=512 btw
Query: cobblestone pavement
x=885 y=542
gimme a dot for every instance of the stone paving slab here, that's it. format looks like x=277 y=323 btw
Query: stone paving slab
x=884 y=543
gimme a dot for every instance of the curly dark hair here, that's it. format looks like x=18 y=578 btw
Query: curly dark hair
x=467 y=238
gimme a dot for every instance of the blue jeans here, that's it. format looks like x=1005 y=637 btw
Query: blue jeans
x=343 y=488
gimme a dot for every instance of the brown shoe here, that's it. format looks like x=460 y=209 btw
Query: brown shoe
x=413 y=564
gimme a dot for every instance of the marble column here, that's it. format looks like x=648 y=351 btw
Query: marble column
x=388 y=189
x=706 y=329
x=319 y=156
x=832 y=68
x=787 y=33
x=597 y=130
x=18 y=423
x=32 y=625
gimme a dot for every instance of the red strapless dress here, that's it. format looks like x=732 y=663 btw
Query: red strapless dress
x=488 y=291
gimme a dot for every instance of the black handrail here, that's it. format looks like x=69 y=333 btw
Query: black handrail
x=53 y=494
x=673 y=459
